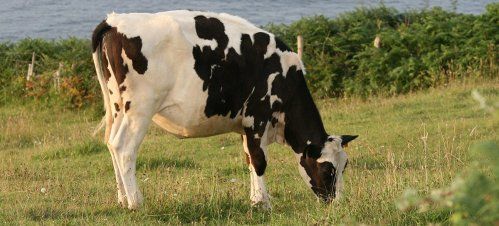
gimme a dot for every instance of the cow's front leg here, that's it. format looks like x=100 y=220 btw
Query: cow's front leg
x=125 y=145
x=255 y=150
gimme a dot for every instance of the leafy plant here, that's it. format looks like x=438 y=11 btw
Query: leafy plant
x=418 y=49
x=473 y=197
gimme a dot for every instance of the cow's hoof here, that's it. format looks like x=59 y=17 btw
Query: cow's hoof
x=122 y=199
x=263 y=205
x=135 y=201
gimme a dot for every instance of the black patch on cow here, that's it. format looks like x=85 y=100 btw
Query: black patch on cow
x=313 y=151
x=98 y=33
x=112 y=43
x=105 y=69
x=345 y=167
x=115 y=115
x=122 y=89
x=256 y=155
x=298 y=131
x=127 y=106
x=116 y=107
x=133 y=47
x=345 y=139
x=237 y=83
x=229 y=79
x=322 y=176
x=111 y=92
x=281 y=45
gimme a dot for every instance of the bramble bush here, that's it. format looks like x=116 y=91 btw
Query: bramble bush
x=473 y=197
x=78 y=84
x=419 y=49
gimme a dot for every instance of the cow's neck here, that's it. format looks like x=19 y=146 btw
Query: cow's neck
x=303 y=122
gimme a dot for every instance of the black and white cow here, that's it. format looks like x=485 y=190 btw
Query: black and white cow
x=199 y=74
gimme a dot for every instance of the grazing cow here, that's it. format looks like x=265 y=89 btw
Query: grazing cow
x=199 y=74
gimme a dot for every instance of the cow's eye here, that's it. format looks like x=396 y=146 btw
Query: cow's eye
x=330 y=139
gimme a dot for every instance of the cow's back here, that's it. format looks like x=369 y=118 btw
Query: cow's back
x=204 y=69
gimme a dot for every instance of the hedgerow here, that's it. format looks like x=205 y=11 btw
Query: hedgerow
x=418 y=49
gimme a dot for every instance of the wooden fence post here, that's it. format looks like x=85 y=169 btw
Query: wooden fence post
x=31 y=67
x=299 y=43
x=377 y=42
x=57 y=76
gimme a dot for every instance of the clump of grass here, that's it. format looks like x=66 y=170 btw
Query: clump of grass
x=85 y=148
x=196 y=181
x=163 y=162
x=473 y=197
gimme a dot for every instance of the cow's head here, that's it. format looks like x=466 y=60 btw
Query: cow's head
x=322 y=166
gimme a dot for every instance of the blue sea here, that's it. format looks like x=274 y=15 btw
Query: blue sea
x=54 y=19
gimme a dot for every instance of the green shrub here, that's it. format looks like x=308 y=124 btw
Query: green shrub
x=419 y=49
x=473 y=197
x=78 y=88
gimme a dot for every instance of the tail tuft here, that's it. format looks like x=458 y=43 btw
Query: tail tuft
x=99 y=31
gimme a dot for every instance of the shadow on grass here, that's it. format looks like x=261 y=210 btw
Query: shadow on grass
x=22 y=141
x=233 y=170
x=223 y=210
x=372 y=163
x=41 y=214
x=87 y=148
x=417 y=218
x=369 y=163
x=163 y=162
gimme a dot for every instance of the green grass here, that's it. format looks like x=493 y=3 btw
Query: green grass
x=191 y=180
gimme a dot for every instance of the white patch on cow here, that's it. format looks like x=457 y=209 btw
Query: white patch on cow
x=258 y=191
x=256 y=136
x=260 y=195
x=141 y=24
x=273 y=98
x=309 y=142
x=271 y=47
x=333 y=153
x=289 y=59
x=249 y=122
x=279 y=128
x=170 y=91
x=330 y=152
x=265 y=141
x=302 y=170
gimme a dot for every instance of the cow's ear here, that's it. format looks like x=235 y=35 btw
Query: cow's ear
x=313 y=151
x=345 y=139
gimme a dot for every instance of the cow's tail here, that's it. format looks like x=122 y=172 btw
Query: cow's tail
x=97 y=38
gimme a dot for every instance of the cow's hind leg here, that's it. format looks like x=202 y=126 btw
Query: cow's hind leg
x=125 y=145
x=255 y=151
x=112 y=127
x=119 y=183
x=99 y=59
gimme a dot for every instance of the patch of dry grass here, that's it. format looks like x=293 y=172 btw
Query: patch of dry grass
x=419 y=140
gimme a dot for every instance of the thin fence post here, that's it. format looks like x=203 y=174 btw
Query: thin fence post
x=31 y=67
x=377 y=42
x=299 y=43
x=57 y=77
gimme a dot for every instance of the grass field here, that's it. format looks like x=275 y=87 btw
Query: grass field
x=419 y=140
